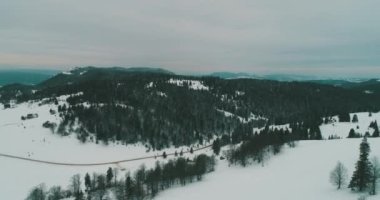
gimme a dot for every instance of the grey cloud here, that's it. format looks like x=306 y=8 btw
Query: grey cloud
x=262 y=36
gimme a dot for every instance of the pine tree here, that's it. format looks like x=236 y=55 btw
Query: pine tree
x=376 y=132
x=109 y=176
x=355 y=119
x=129 y=184
x=216 y=146
x=87 y=182
x=352 y=134
x=362 y=175
x=38 y=193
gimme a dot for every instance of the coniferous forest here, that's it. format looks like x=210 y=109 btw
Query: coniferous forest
x=132 y=106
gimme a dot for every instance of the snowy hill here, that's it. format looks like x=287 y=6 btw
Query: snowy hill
x=28 y=139
x=299 y=173
x=22 y=134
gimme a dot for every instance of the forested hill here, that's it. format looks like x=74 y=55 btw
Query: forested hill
x=160 y=108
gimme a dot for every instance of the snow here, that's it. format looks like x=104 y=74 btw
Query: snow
x=193 y=84
x=341 y=129
x=162 y=94
x=149 y=85
x=252 y=116
x=81 y=73
x=29 y=139
x=67 y=73
x=239 y=93
x=299 y=173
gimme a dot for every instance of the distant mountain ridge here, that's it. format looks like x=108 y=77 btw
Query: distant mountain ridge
x=24 y=76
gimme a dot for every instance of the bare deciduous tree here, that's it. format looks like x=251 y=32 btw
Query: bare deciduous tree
x=75 y=184
x=338 y=176
x=375 y=174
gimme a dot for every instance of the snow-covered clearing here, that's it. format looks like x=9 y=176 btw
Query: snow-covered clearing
x=192 y=84
x=29 y=139
x=252 y=117
x=342 y=129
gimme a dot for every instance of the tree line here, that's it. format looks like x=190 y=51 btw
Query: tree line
x=142 y=184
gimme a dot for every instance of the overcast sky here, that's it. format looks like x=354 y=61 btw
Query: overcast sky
x=321 y=37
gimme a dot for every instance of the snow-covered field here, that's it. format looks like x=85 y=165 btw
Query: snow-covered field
x=29 y=139
x=299 y=173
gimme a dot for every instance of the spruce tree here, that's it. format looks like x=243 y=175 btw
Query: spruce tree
x=216 y=146
x=376 y=132
x=109 y=176
x=87 y=182
x=362 y=175
x=352 y=134
x=355 y=119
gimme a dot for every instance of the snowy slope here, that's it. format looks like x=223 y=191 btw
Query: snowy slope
x=301 y=173
x=29 y=139
x=342 y=129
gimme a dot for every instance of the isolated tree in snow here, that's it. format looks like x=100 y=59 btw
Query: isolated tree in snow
x=109 y=176
x=362 y=175
x=164 y=155
x=338 y=176
x=375 y=174
x=355 y=119
x=191 y=150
